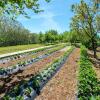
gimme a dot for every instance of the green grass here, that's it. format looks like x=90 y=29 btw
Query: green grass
x=10 y=49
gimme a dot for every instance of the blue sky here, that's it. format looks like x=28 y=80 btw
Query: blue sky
x=57 y=15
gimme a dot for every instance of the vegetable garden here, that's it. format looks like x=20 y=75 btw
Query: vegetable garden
x=54 y=54
x=30 y=71
x=25 y=76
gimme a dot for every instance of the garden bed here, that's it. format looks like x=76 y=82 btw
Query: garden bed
x=63 y=85
x=37 y=81
x=24 y=64
x=9 y=61
x=27 y=73
x=88 y=84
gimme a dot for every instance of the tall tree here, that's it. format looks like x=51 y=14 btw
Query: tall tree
x=85 y=20
x=41 y=37
x=51 y=36
x=13 y=33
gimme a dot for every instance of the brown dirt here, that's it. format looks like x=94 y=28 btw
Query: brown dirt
x=28 y=72
x=95 y=62
x=97 y=70
x=63 y=85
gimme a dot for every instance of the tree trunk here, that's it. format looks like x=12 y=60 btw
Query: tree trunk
x=94 y=47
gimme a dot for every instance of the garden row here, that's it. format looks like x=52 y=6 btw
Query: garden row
x=88 y=86
x=17 y=56
x=4 y=72
x=26 y=57
x=29 y=89
x=19 y=77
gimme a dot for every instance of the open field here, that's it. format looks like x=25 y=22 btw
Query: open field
x=10 y=49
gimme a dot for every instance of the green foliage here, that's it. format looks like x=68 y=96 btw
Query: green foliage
x=19 y=98
x=71 y=37
x=41 y=37
x=6 y=98
x=86 y=22
x=13 y=8
x=13 y=33
x=35 y=83
x=51 y=36
x=27 y=91
x=84 y=51
x=15 y=91
x=88 y=86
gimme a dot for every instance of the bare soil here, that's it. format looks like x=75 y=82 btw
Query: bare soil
x=95 y=62
x=63 y=86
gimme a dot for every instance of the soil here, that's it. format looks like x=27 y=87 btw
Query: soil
x=95 y=62
x=26 y=74
x=63 y=86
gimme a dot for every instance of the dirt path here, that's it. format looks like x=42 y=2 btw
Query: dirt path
x=63 y=85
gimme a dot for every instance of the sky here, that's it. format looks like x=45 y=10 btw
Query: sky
x=57 y=15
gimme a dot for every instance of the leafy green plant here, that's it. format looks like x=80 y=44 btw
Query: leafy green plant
x=15 y=91
x=35 y=83
x=88 y=86
x=6 y=98
x=27 y=91
x=19 y=98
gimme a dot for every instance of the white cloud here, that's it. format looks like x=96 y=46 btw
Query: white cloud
x=49 y=22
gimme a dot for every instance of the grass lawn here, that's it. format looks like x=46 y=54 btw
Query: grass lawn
x=10 y=49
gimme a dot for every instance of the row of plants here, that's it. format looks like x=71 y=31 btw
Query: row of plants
x=88 y=85
x=29 y=89
x=17 y=56
x=4 y=72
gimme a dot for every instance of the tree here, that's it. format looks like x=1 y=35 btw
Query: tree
x=85 y=20
x=34 y=38
x=51 y=36
x=13 y=33
x=41 y=37
x=71 y=37
x=17 y=7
